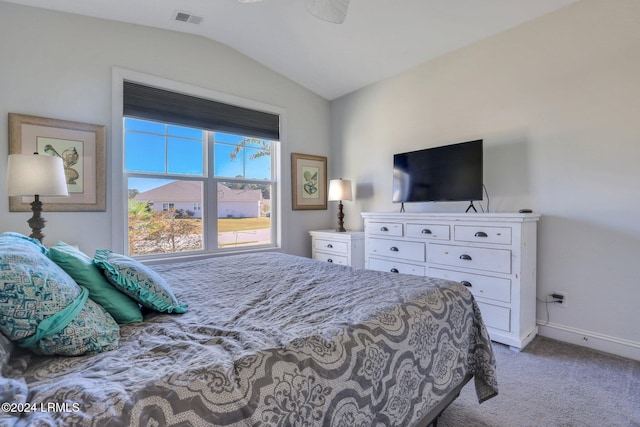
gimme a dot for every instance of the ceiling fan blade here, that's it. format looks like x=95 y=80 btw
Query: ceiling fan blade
x=328 y=10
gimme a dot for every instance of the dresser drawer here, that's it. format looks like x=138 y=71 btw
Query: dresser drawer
x=494 y=252
x=480 y=234
x=384 y=229
x=332 y=258
x=495 y=317
x=331 y=246
x=494 y=288
x=497 y=260
x=428 y=231
x=396 y=267
x=410 y=251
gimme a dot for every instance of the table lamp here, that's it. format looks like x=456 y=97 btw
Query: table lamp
x=339 y=190
x=36 y=175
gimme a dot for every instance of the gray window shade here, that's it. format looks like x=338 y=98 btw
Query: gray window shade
x=151 y=103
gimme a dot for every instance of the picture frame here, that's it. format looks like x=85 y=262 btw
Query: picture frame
x=308 y=182
x=82 y=148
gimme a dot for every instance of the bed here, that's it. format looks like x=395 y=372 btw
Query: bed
x=270 y=340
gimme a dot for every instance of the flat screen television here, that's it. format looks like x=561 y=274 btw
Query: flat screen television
x=440 y=174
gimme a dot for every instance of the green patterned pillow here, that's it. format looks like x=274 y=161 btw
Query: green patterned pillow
x=138 y=281
x=43 y=309
x=81 y=268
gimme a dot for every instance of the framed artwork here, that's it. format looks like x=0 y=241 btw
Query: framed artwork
x=82 y=149
x=309 y=181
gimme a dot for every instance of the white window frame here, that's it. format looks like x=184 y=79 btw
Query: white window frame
x=118 y=205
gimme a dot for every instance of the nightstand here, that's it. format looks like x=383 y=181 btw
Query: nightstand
x=346 y=248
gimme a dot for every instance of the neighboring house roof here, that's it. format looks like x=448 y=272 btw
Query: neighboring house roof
x=226 y=194
x=176 y=191
x=191 y=191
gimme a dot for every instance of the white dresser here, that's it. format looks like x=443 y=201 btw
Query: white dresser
x=493 y=254
x=344 y=248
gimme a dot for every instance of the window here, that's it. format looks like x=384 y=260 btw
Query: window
x=195 y=188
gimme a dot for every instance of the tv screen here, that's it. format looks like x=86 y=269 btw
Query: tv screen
x=448 y=173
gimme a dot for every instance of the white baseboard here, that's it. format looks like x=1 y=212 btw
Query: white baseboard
x=613 y=345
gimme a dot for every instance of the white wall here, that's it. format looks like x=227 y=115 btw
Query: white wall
x=59 y=66
x=557 y=102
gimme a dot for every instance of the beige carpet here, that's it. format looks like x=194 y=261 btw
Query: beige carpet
x=552 y=383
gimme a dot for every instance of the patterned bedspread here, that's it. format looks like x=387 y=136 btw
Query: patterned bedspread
x=274 y=340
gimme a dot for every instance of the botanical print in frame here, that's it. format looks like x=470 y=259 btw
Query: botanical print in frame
x=309 y=181
x=71 y=153
x=82 y=149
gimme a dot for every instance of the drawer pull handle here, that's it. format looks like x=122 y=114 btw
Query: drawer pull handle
x=330 y=246
x=393 y=249
x=465 y=257
x=329 y=260
x=384 y=229
x=394 y=270
x=465 y=283
x=426 y=231
x=481 y=234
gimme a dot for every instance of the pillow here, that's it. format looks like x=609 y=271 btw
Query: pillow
x=81 y=268
x=43 y=309
x=10 y=241
x=138 y=281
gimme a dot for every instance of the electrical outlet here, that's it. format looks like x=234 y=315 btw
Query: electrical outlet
x=562 y=304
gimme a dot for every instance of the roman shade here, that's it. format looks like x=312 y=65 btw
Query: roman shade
x=151 y=103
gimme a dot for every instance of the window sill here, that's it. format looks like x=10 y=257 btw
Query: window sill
x=169 y=258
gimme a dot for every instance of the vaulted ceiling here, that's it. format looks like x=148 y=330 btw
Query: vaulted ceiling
x=378 y=39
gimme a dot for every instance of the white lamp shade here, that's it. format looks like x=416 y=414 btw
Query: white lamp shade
x=35 y=174
x=339 y=189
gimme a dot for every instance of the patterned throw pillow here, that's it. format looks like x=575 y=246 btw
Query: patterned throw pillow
x=81 y=268
x=138 y=281
x=35 y=292
x=14 y=241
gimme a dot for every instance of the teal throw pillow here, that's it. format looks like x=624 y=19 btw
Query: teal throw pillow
x=44 y=310
x=138 y=281
x=82 y=269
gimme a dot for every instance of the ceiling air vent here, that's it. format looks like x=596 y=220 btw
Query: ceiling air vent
x=187 y=17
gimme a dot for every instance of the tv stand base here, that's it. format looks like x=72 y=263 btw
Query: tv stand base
x=471 y=207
